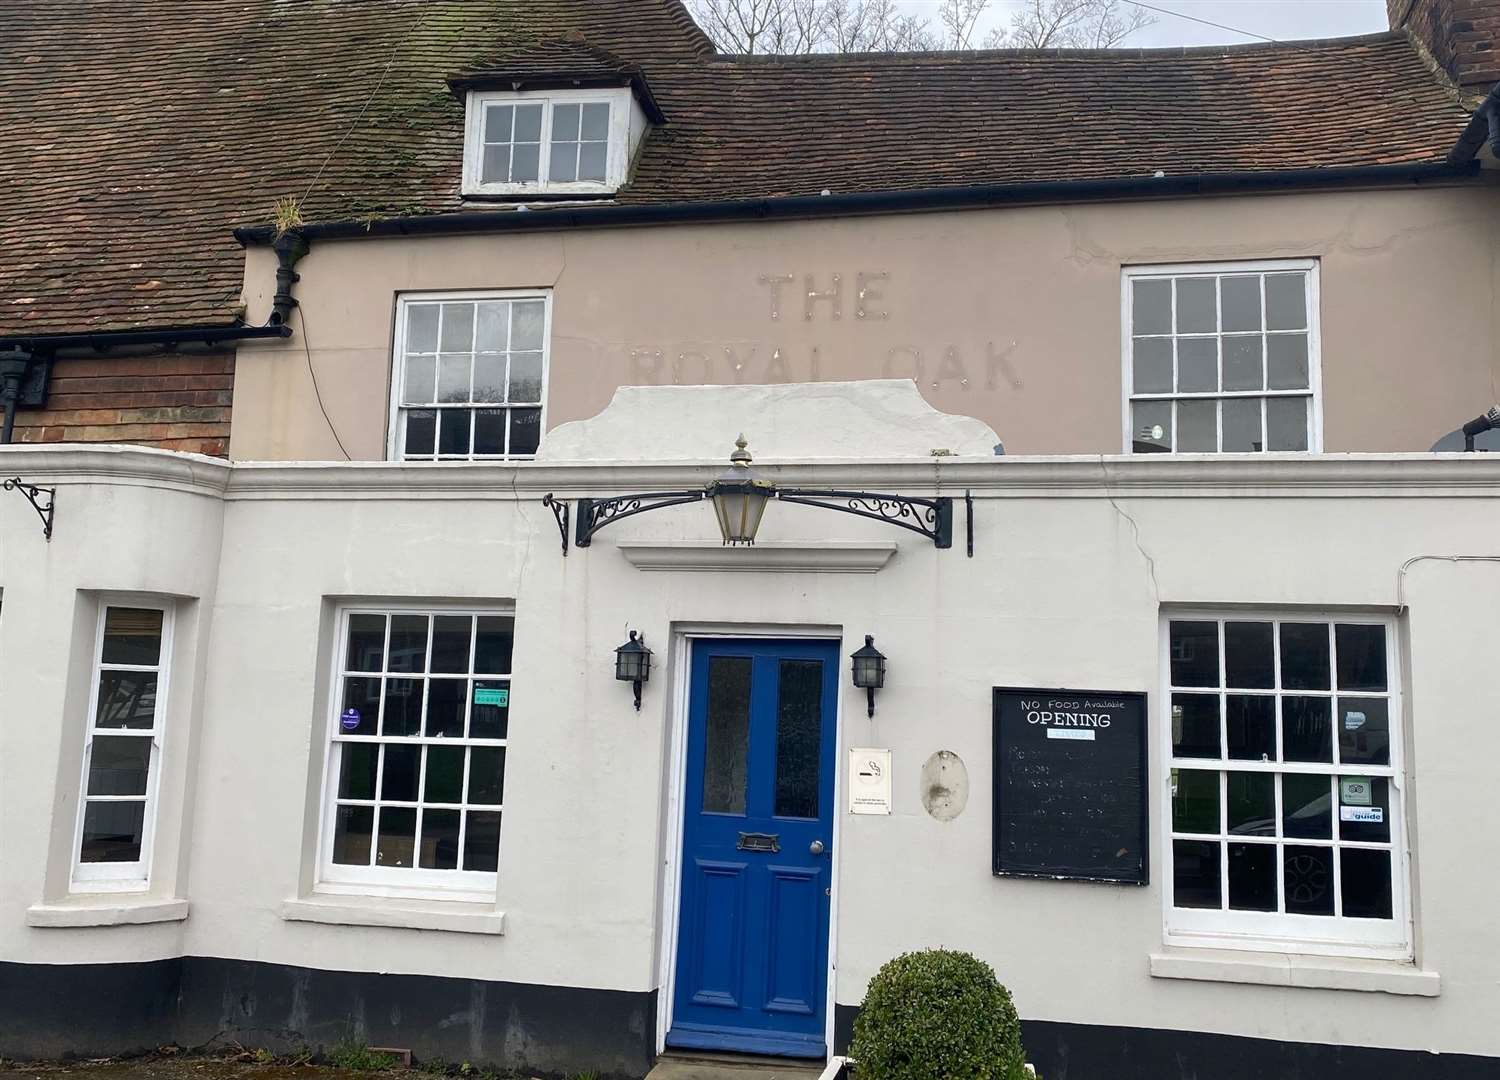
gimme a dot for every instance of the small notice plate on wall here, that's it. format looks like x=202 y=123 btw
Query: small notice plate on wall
x=1070 y=784
x=869 y=781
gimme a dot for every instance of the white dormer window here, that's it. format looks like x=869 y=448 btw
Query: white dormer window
x=552 y=142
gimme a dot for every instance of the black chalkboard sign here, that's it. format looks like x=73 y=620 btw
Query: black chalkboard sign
x=1070 y=784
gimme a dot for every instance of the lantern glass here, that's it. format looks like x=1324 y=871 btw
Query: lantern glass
x=869 y=666
x=739 y=497
x=633 y=661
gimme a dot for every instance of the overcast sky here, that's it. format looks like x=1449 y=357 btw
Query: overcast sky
x=1281 y=19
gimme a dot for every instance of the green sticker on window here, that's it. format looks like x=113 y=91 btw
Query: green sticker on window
x=491 y=697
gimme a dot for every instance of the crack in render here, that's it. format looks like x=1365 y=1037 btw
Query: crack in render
x=1135 y=530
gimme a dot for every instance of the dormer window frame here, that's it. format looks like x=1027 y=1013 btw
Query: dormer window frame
x=624 y=112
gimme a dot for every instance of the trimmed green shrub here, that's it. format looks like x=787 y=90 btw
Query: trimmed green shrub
x=937 y=1015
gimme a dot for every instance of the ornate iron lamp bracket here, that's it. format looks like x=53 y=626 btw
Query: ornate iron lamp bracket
x=559 y=508
x=34 y=497
x=594 y=514
x=932 y=518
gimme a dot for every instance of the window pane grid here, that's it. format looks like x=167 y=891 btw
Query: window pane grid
x=1250 y=358
x=397 y=815
x=1358 y=675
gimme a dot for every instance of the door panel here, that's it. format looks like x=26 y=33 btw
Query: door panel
x=752 y=951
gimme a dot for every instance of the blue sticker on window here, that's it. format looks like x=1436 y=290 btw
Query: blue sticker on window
x=349 y=721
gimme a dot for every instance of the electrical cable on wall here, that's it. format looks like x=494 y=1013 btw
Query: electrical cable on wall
x=317 y=393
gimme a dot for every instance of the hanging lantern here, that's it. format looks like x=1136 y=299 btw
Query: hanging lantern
x=633 y=665
x=739 y=497
x=869 y=669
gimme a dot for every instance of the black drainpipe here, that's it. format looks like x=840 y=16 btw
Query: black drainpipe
x=15 y=368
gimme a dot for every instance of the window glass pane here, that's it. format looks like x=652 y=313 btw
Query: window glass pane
x=421 y=430
x=526 y=377
x=563 y=166
x=453 y=431
x=357 y=773
x=1195 y=653
x=1195 y=874
x=489 y=377
x=481 y=841
x=1151 y=427
x=1151 y=307
x=1306 y=806
x=497 y=121
x=132 y=636
x=421 y=328
x=727 y=735
x=799 y=727
x=1366 y=880
x=1242 y=426
x=361 y=710
x=1306 y=729
x=492 y=326
x=445 y=775
x=1364 y=731
x=352 y=828
x=403 y=708
x=1152 y=365
x=1243 y=363
x=127 y=699
x=524 y=160
x=1197 y=427
x=1286 y=301
x=1251 y=804
x=528 y=123
x=1197 y=364
x=595 y=121
x=398 y=773
x=528 y=325
x=488 y=720
x=458 y=328
x=1239 y=303
x=445 y=708
x=366 y=644
x=450 y=643
x=1361 y=653
x=1251 y=726
x=1195 y=801
x=1249 y=663
x=1286 y=424
x=119 y=765
x=453 y=378
x=1197 y=305
x=1309 y=880
x=398 y=836
x=112 y=832
x=496 y=166
x=592 y=158
x=1252 y=877
x=1304 y=656
x=1365 y=809
x=565 y=123
x=1195 y=725
x=489 y=431
x=408 y=648
x=439 y=849
x=525 y=431
x=487 y=775
x=1286 y=361
x=492 y=648
x=418 y=387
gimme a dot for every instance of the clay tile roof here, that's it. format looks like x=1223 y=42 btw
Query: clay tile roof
x=133 y=140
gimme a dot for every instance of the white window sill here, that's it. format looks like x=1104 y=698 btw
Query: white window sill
x=1290 y=969
x=108 y=909
x=461 y=918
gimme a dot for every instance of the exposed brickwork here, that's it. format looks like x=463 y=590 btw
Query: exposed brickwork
x=1463 y=37
x=173 y=402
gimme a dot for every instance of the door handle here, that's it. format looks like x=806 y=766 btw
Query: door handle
x=815 y=848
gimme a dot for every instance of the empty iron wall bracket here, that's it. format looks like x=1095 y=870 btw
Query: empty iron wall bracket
x=594 y=514
x=559 y=508
x=932 y=518
x=34 y=497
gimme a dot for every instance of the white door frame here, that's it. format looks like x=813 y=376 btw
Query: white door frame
x=680 y=665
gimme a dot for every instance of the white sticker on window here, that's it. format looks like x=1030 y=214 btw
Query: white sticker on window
x=1353 y=721
x=1354 y=791
x=1373 y=814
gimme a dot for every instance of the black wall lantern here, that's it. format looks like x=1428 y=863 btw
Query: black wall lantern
x=633 y=665
x=740 y=498
x=869 y=669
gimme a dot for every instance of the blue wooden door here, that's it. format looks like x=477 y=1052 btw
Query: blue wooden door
x=752 y=942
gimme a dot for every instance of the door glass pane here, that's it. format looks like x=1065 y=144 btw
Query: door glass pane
x=727 y=735
x=799 y=725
